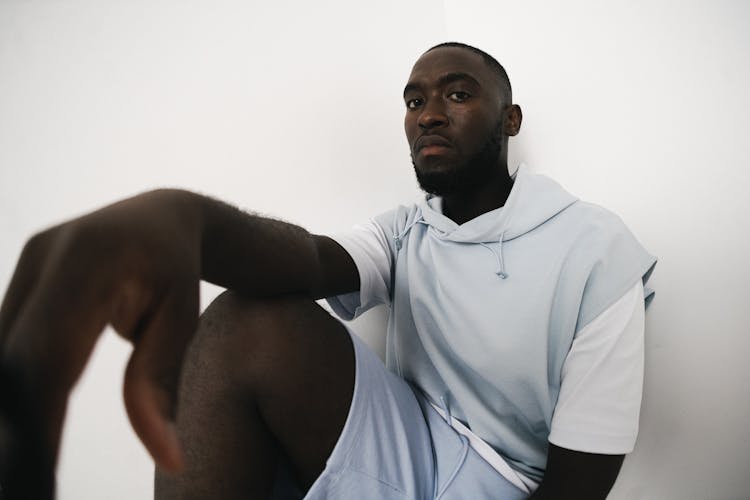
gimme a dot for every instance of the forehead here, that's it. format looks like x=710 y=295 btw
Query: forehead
x=445 y=60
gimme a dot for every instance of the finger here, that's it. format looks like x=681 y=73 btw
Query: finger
x=22 y=283
x=152 y=375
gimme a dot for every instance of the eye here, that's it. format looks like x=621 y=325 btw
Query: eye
x=413 y=103
x=458 y=96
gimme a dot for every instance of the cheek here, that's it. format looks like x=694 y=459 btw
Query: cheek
x=474 y=130
x=411 y=128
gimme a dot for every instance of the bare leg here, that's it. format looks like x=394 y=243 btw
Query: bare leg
x=261 y=378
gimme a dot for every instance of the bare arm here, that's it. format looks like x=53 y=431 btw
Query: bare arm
x=136 y=265
x=261 y=256
x=577 y=475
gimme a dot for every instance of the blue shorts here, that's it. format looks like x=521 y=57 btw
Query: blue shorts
x=394 y=445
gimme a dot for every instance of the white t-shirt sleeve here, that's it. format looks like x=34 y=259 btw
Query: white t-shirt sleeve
x=602 y=381
x=369 y=247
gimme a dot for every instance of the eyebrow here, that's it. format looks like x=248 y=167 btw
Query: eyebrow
x=444 y=80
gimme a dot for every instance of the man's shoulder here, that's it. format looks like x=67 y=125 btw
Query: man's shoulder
x=596 y=234
x=595 y=220
x=398 y=217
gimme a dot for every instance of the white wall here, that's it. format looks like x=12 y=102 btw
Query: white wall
x=643 y=107
x=294 y=109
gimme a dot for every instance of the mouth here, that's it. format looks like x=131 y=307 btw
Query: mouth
x=428 y=145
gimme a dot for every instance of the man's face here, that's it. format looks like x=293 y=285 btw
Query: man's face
x=453 y=120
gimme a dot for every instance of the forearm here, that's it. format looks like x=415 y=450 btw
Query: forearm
x=577 y=475
x=260 y=256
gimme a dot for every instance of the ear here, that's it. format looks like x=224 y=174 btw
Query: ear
x=512 y=120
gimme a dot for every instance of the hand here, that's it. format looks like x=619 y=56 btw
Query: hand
x=134 y=265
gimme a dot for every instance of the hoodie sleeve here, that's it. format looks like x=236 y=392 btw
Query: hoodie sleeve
x=602 y=376
x=615 y=260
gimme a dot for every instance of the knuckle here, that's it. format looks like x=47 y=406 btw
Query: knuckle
x=37 y=244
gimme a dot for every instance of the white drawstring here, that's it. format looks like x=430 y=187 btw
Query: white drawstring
x=397 y=239
x=500 y=271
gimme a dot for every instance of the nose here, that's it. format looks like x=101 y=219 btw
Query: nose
x=432 y=115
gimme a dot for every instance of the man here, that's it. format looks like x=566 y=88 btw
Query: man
x=516 y=318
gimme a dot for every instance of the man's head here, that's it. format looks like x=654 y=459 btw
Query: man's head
x=459 y=114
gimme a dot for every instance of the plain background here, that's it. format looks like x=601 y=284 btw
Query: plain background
x=294 y=109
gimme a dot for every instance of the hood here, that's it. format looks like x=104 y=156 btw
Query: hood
x=533 y=200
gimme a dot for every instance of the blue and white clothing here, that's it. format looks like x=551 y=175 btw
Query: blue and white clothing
x=504 y=318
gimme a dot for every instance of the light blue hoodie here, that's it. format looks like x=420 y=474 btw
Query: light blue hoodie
x=484 y=314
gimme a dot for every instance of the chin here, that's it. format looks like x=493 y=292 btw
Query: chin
x=435 y=163
x=438 y=182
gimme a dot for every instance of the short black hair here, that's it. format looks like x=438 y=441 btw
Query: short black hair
x=504 y=82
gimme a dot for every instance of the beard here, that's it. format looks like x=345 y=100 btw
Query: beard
x=466 y=177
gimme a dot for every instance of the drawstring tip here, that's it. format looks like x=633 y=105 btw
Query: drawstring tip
x=397 y=240
x=501 y=274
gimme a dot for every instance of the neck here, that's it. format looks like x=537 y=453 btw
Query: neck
x=462 y=207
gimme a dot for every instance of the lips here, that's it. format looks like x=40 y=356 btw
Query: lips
x=432 y=140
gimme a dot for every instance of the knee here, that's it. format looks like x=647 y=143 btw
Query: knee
x=231 y=314
x=241 y=331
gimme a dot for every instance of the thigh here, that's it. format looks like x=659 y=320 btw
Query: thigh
x=384 y=450
x=394 y=445
x=303 y=382
x=262 y=379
